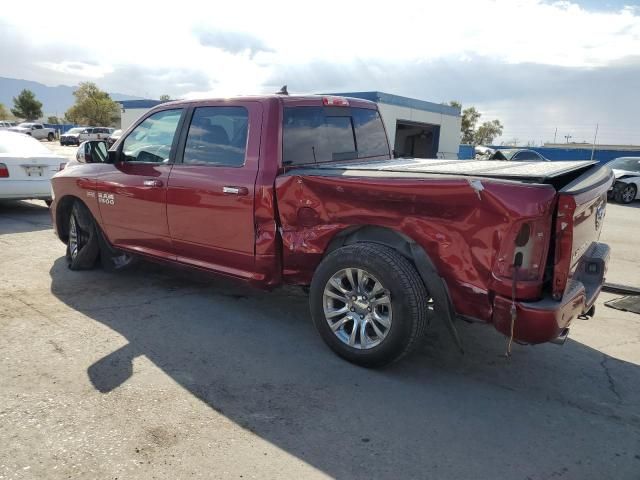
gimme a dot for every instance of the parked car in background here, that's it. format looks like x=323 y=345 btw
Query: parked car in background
x=72 y=136
x=303 y=190
x=36 y=130
x=626 y=188
x=77 y=135
x=26 y=167
x=5 y=124
x=113 y=138
x=518 y=155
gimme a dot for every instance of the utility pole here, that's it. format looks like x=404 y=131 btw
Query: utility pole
x=555 y=135
x=568 y=137
x=595 y=136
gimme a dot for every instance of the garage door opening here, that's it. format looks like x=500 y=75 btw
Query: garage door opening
x=418 y=140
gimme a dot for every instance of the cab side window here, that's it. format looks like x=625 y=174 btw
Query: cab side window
x=217 y=136
x=150 y=141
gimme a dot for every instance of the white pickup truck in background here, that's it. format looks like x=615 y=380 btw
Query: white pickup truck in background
x=36 y=130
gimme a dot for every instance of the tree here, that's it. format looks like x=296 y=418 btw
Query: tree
x=4 y=113
x=53 y=120
x=165 y=98
x=92 y=107
x=487 y=132
x=473 y=134
x=26 y=106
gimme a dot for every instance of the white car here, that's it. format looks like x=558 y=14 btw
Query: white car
x=626 y=188
x=6 y=124
x=36 y=130
x=77 y=135
x=26 y=167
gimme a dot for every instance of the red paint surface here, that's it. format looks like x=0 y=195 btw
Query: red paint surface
x=279 y=231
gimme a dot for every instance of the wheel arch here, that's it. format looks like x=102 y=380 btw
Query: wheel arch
x=416 y=254
x=63 y=210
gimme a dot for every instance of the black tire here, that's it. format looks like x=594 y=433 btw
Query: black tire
x=408 y=300
x=85 y=255
x=626 y=194
x=50 y=137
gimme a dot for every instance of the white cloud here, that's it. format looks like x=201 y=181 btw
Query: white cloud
x=242 y=47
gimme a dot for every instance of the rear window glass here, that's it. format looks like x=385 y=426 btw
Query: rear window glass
x=324 y=134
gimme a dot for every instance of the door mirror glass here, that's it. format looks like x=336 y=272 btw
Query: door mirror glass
x=92 y=152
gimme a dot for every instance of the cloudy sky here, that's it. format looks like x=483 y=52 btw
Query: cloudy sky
x=536 y=65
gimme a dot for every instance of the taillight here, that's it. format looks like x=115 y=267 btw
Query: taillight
x=564 y=245
x=4 y=171
x=335 y=101
x=524 y=248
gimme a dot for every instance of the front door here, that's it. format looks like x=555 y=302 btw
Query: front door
x=210 y=198
x=132 y=193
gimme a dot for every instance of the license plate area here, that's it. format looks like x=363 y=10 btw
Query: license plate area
x=34 y=170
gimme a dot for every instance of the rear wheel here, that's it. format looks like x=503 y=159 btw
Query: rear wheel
x=50 y=137
x=369 y=304
x=82 y=246
x=627 y=194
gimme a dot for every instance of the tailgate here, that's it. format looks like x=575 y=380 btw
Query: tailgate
x=579 y=219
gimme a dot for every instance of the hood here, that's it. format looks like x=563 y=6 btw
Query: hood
x=623 y=173
x=70 y=134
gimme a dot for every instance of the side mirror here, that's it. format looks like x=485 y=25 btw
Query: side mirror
x=92 y=152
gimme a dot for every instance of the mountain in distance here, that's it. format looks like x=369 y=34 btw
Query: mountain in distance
x=55 y=100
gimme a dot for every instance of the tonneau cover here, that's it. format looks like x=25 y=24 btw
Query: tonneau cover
x=539 y=172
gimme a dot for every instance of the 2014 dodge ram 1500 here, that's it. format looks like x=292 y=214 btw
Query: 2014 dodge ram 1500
x=303 y=190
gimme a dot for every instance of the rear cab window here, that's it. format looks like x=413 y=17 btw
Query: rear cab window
x=316 y=134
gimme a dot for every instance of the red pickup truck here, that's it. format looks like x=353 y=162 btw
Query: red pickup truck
x=304 y=190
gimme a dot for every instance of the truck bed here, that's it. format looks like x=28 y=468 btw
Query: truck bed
x=534 y=172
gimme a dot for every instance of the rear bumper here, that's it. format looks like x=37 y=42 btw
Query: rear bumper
x=546 y=319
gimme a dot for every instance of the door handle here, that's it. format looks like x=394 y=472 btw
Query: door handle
x=152 y=183
x=235 y=190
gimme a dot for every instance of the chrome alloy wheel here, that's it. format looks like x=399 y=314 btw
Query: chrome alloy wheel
x=357 y=308
x=73 y=237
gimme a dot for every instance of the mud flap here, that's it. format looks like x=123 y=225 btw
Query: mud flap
x=438 y=291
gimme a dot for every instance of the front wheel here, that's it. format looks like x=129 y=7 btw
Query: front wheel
x=82 y=246
x=627 y=194
x=50 y=137
x=369 y=304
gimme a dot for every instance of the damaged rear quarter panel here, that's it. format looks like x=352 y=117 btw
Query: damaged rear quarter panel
x=460 y=223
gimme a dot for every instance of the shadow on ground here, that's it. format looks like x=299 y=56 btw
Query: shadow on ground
x=569 y=412
x=21 y=217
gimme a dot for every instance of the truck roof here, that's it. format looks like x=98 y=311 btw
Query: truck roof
x=289 y=100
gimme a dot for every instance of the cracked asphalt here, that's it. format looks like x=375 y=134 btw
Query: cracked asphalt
x=162 y=373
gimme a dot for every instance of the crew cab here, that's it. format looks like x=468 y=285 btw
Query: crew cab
x=36 y=130
x=303 y=190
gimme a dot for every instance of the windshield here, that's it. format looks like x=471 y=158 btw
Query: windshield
x=75 y=130
x=631 y=164
x=19 y=144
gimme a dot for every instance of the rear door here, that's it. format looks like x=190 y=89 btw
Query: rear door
x=210 y=197
x=132 y=193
